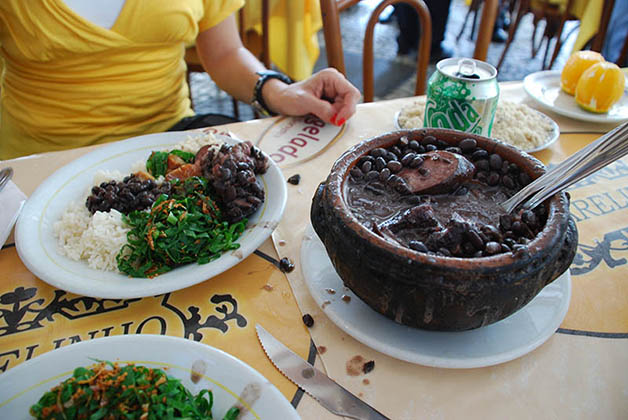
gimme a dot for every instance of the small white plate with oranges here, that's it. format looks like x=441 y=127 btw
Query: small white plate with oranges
x=587 y=88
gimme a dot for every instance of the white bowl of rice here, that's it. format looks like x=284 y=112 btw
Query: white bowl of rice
x=515 y=124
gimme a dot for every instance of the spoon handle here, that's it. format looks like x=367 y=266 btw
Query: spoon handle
x=605 y=150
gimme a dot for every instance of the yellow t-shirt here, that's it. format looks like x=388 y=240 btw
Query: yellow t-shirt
x=69 y=83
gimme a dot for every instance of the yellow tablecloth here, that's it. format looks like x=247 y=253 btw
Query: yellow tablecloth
x=579 y=373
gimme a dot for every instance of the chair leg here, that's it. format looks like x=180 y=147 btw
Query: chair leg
x=475 y=4
x=522 y=10
x=622 y=55
x=464 y=23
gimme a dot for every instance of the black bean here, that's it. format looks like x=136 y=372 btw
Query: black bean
x=396 y=150
x=407 y=158
x=481 y=176
x=428 y=140
x=414 y=145
x=491 y=232
x=380 y=163
x=441 y=144
x=519 y=250
x=431 y=147
x=230 y=193
x=394 y=180
x=478 y=254
x=367 y=166
x=416 y=162
x=493 y=248
x=468 y=248
x=505 y=222
x=505 y=248
x=253 y=200
x=468 y=145
x=394 y=166
x=445 y=252
x=96 y=190
x=294 y=179
x=384 y=174
x=495 y=161
x=366 y=158
x=402 y=188
x=508 y=182
x=524 y=179
x=423 y=171
x=493 y=178
x=390 y=156
x=308 y=320
x=378 y=152
x=453 y=149
x=517 y=226
x=529 y=218
x=285 y=265
x=356 y=173
x=418 y=246
x=475 y=239
x=510 y=242
x=482 y=165
x=479 y=154
x=513 y=168
x=372 y=175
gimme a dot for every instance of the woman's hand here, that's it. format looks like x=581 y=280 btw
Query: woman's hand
x=326 y=94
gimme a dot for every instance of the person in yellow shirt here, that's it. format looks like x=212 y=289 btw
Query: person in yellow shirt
x=78 y=73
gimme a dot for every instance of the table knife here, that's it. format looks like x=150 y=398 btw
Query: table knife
x=323 y=389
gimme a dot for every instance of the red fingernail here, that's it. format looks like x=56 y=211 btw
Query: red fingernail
x=333 y=118
x=340 y=122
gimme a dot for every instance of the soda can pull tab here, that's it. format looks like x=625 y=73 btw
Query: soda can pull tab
x=466 y=69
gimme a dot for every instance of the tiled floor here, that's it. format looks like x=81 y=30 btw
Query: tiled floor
x=395 y=75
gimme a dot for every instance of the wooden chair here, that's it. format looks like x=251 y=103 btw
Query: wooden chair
x=542 y=10
x=333 y=41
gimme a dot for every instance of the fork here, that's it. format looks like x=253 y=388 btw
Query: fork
x=5 y=176
x=605 y=150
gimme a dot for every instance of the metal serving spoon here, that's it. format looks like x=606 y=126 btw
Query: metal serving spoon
x=605 y=150
x=5 y=175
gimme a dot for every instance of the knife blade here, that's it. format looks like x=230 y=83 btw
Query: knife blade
x=328 y=393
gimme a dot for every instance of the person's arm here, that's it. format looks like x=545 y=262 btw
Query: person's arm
x=233 y=69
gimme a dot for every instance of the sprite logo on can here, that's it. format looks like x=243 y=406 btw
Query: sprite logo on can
x=462 y=95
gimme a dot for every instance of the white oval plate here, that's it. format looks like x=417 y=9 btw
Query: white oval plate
x=37 y=245
x=512 y=337
x=544 y=88
x=551 y=138
x=229 y=379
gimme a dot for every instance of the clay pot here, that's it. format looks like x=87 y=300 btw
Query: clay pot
x=436 y=292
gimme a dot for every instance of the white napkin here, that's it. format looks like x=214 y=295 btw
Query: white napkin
x=11 y=201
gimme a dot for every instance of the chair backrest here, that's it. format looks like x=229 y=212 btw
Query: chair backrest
x=333 y=42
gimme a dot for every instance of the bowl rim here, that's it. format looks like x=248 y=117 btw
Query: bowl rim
x=557 y=218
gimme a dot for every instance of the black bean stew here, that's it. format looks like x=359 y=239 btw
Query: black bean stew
x=231 y=171
x=431 y=197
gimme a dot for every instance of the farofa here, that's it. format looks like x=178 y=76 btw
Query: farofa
x=515 y=124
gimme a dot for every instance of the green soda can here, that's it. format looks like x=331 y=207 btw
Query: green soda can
x=462 y=95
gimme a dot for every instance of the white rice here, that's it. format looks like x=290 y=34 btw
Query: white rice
x=98 y=239
x=515 y=124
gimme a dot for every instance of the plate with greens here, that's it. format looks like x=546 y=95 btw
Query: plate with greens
x=150 y=215
x=189 y=379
